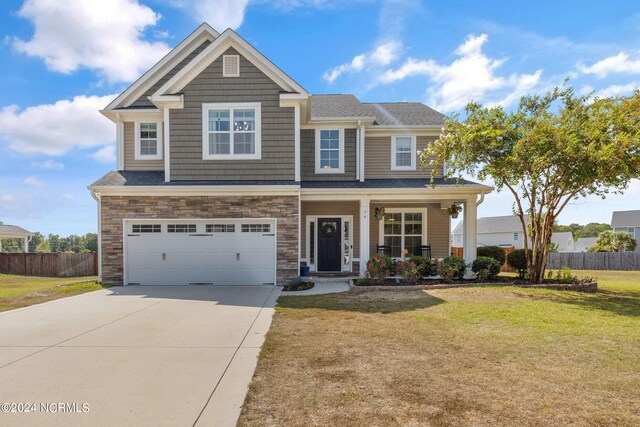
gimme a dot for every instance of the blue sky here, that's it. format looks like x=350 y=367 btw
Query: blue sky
x=61 y=61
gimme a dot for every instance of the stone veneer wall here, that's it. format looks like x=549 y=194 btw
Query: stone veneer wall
x=117 y=208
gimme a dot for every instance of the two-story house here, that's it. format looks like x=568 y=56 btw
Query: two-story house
x=627 y=222
x=230 y=172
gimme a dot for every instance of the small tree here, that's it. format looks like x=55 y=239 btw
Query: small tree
x=43 y=247
x=608 y=241
x=553 y=149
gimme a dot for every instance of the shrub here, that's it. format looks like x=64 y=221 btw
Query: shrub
x=564 y=275
x=486 y=268
x=451 y=268
x=297 y=284
x=409 y=270
x=378 y=268
x=361 y=281
x=495 y=252
x=518 y=260
x=424 y=264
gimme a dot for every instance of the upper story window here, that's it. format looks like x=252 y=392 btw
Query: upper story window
x=148 y=141
x=329 y=150
x=231 y=131
x=403 y=153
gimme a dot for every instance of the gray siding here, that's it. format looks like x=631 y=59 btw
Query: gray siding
x=329 y=209
x=377 y=158
x=130 y=162
x=308 y=157
x=636 y=235
x=143 y=101
x=277 y=162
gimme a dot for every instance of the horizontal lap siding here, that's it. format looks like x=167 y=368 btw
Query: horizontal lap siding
x=143 y=101
x=329 y=209
x=377 y=158
x=130 y=162
x=277 y=162
x=308 y=157
x=437 y=227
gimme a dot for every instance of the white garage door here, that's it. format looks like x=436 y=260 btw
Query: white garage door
x=216 y=251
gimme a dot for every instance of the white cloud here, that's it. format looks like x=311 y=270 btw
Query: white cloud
x=383 y=54
x=106 y=154
x=220 y=14
x=470 y=77
x=617 y=90
x=33 y=181
x=105 y=36
x=54 y=129
x=620 y=63
x=49 y=165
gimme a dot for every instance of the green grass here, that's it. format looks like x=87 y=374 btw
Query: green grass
x=466 y=356
x=21 y=291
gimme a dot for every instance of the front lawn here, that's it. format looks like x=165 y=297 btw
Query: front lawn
x=465 y=356
x=21 y=291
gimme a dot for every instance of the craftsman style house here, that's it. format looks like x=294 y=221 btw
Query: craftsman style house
x=230 y=172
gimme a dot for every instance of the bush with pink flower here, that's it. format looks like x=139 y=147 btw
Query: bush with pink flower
x=409 y=270
x=378 y=269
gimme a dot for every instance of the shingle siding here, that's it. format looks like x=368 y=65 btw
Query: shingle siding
x=308 y=157
x=377 y=159
x=130 y=162
x=277 y=162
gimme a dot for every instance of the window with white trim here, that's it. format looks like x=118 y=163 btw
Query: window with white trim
x=181 y=228
x=515 y=236
x=231 y=131
x=220 y=228
x=256 y=228
x=402 y=231
x=148 y=140
x=632 y=232
x=329 y=151
x=146 y=228
x=403 y=153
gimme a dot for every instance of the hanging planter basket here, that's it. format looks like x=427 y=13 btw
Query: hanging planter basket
x=379 y=214
x=454 y=210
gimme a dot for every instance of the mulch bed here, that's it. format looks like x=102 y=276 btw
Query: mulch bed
x=393 y=285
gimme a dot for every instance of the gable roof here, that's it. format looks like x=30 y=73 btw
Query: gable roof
x=495 y=224
x=341 y=106
x=166 y=64
x=228 y=38
x=13 y=230
x=625 y=219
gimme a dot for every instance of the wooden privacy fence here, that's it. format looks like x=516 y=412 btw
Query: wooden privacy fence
x=505 y=268
x=49 y=265
x=595 y=260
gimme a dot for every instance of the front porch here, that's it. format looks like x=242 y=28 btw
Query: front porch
x=339 y=232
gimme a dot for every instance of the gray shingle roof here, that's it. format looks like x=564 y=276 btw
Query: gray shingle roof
x=144 y=178
x=625 y=219
x=385 y=113
x=13 y=229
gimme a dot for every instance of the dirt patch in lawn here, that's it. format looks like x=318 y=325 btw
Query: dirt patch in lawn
x=478 y=356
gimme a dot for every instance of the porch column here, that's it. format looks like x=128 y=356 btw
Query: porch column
x=26 y=244
x=470 y=218
x=364 y=234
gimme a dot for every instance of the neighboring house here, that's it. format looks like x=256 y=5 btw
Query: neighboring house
x=230 y=172
x=584 y=243
x=507 y=231
x=628 y=222
x=14 y=232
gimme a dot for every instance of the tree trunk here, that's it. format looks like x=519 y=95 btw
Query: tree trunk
x=541 y=230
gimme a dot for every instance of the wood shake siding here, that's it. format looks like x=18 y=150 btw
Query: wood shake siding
x=328 y=210
x=143 y=101
x=130 y=162
x=277 y=162
x=437 y=227
x=308 y=157
x=377 y=158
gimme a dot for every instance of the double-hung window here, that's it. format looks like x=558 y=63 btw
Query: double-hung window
x=148 y=141
x=403 y=153
x=329 y=150
x=231 y=131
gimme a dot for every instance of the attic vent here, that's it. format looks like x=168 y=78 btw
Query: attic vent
x=230 y=66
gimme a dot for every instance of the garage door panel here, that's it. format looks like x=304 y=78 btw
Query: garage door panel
x=224 y=258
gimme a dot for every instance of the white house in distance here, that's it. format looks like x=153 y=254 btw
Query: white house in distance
x=506 y=231
x=584 y=243
x=628 y=222
x=14 y=232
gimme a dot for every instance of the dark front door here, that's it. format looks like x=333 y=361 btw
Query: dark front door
x=329 y=242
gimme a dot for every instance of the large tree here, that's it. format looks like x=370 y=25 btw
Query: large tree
x=552 y=149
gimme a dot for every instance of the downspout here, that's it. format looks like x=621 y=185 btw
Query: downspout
x=479 y=202
x=358 y=131
x=98 y=199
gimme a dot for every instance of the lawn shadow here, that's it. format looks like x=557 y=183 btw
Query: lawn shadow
x=364 y=302
x=620 y=303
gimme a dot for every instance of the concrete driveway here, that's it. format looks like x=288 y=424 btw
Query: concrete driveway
x=138 y=355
